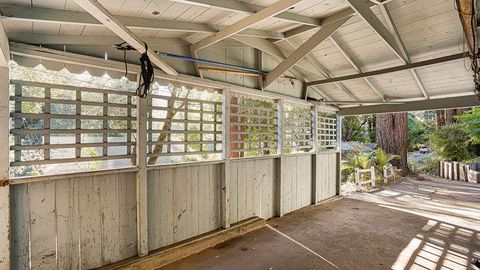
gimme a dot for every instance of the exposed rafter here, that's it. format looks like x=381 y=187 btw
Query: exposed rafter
x=103 y=15
x=245 y=23
x=238 y=6
x=47 y=15
x=323 y=71
x=356 y=67
x=363 y=10
x=273 y=50
x=401 y=45
x=304 y=49
x=410 y=66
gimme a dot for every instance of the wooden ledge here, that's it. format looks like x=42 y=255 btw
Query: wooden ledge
x=175 y=252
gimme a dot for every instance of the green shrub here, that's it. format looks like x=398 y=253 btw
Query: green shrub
x=452 y=143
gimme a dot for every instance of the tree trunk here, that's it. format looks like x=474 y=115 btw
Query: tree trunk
x=392 y=134
x=440 y=118
x=446 y=117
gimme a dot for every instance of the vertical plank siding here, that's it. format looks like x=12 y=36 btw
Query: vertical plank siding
x=296 y=181
x=183 y=202
x=74 y=223
x=252 y=189
x=88 y=222
x=326 y=175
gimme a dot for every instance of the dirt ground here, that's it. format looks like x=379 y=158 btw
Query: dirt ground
x=407 y=225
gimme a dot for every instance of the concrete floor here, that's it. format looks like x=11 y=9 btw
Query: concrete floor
x=408 y=225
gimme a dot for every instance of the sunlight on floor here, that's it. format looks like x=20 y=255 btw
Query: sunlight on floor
x=438 y=246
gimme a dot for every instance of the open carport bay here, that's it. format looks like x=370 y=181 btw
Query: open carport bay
x=412 y=224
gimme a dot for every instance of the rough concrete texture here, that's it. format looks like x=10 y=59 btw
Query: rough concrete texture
x=408 y=225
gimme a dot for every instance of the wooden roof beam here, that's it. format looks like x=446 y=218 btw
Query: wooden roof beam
x=4 y=47
x=303 y=50
x=238 y=6
x=363 y=10
x=393 y=29
x=243 y=24
x=426 y=63
x=356 y=67
x=47 y=15
x=103 y=15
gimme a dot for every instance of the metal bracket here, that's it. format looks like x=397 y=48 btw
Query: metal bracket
x=4 y=183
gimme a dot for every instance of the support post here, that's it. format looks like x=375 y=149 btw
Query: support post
x=357 y=179
x=339 y=153
x=141 y=181
x=4 y=149
x=315 y=172
x=225 y=181
x=372 y=174
x=280 y=149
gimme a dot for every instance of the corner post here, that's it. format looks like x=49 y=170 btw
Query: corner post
x=141 y=181
x=225 y=180
x=5 y=150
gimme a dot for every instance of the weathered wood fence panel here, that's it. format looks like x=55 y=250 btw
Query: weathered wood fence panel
x=252 y=189
x=296 y=182
x=326 y=174
x=81 y=222
x=183 y=203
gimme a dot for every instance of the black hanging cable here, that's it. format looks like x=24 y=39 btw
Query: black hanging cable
x=124 y=46
x=146 y=75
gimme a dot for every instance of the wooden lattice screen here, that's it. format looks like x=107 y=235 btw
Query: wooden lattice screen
x=253 y=126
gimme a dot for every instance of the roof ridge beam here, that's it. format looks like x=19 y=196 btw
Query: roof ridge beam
x=238 y=6
x=304 y=49
x=25 y=13
x=230 y=30
x=103 y=15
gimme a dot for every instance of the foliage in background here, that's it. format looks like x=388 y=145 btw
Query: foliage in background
x=452 y=143
x=360 y=128
x=470 y=120
x=420 y=126
x=354 y=159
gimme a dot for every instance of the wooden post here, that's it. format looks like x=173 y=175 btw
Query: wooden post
x=225 y=181
x=372 y=174
x=315 y=172
x=280 y=149
x=339 y=152
x=385 y=174
x=357 y=178
x=4 y=150
x=141 y=182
